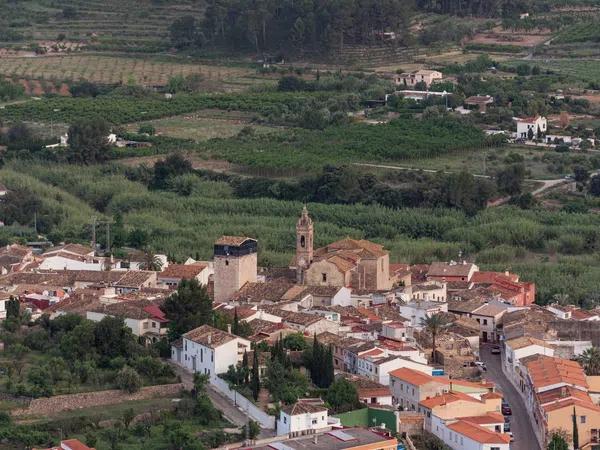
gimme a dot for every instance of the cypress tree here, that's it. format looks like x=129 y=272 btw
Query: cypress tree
x=245 y=368
x=235 y=328
x=255 y=381
x=316 y=364
x=328 y=375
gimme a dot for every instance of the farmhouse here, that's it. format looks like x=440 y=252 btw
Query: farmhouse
x=420 y=76
x=302 y=418
x=531 y=127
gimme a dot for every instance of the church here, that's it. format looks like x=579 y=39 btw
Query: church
x=352 y=263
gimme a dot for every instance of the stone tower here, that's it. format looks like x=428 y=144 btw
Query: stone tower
x=235 y=264
x=304 y=244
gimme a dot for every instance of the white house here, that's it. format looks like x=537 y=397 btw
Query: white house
x=519 y=348
x=379 y=368
x=531 y=127
x=468 y=435
x=302 y=418
x=420 y=76
x=395 y=330
x=209 y=350
x=418 y=310
x=431 y=291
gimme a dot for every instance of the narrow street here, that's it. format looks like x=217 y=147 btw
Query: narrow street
x=520 y=421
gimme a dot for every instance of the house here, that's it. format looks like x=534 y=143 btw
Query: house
x=531 y=127
x=209 y=351
x=452 y=271
x=417 y=311
x=302 y=418
x=467 y=434
x=454 y=404
x=432 y=291
x=487 y=313
x=306 y=323
x=172 y=275
x=377 y=367
x=14 y=258
x=143 y=317
x=395 y=330
x=479 y=102
x=409 y=386
x=515 y=350
x=369 y=392
x=70 y=444
x=571 y=312
x=505 y=285
x=345 y=439
x=419 y=96
x=420 y=76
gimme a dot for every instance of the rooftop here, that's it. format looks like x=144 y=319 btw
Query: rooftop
x=478 y=433
x=445 y=398
x=348 y=438
x=182 y=271
x=209 y=336
x=415 y=377
x=302 y=408
x=547 y=370
x=234 y=241
x=443 y=269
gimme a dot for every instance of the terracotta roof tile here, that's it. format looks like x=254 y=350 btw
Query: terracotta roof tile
x=234 y=241
x=415 y=377
x=478 y=433
x=209 y=336
x=182 y=271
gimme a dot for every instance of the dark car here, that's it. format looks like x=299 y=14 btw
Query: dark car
x=506 y=409
x=506 y=427
x=495 y=350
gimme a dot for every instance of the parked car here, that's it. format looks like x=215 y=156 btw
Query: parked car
x=481 y=365
x=495 y=350
x=506 y=425
x=506 y=409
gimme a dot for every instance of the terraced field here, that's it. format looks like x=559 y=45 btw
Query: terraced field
x=114 y=69
x=108 y=25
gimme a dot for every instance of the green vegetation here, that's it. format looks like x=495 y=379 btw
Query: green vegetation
x=587 y=31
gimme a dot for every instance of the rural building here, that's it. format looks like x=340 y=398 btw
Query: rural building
x=409 y=79
x=172 y=275
x=531 y=127
x=302 y=418
x=479 y=102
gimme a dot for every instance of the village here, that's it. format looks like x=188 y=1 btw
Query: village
x=443 y=349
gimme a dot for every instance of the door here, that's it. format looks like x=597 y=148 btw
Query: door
x=193 y=364
x=485 y=336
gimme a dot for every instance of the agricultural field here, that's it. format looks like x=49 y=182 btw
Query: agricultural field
x=120 y=70
x=203 y=125
x=127 y=25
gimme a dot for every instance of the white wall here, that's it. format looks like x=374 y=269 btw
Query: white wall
x=61 y=263
x=210 y=361
x=457 y=441
x=310 y=422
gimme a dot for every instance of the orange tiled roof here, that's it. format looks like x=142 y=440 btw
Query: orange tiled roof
x=235 y=241
x=548 y=370
x=570 y=402
x=478 y=433
x=447 y=397
x=488 y=418
x=182 y=271
x=415 y=377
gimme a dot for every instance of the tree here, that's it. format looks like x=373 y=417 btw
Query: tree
x=112 y=338
x=581 y=174
x=510 y=179
x=13 y=308
x=246 y=368
x=200 y=382
x=166 y=169
x=147 y=128
x=88 y=141
x=128 y=416
x=294 y=342
x=594 y=187
x=558 y=442
x=184 y=33
x=188 y=308
x=575 y=430
x=590 y=360
x=151 y=261
x=129 y=380
x=255 y=379
x=252 y=430
x=342 y=396
x=434 y=325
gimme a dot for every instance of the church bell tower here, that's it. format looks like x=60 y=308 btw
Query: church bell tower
x=304 y=244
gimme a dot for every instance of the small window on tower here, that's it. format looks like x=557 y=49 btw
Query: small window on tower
x=302 y=241
x=226 y=262
x=324 y=277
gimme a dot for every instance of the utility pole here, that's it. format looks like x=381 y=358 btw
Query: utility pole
x=94 y=233
x=108 y=237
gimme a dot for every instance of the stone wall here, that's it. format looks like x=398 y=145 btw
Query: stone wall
x=572 y=330
x=45 y=406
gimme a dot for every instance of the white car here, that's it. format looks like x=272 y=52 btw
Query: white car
x=481 y=365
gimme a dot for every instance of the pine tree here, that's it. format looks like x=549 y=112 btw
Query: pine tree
x=255 y=381
x=575 y=431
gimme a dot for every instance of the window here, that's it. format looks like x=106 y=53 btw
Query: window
x=212 y=356
x=413 y=391
x=226 y=262
x=153 y=324
x=461 y=440
x=583 y=419
x=324 y=277
x=314 y=421
x=284 y=419
x=302 y=241
x=485 y=321
x=495 y=448
x=478 y=321
x=201 y=355
x=186 y=346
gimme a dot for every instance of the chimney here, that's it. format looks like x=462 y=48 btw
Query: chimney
x=229 y=328
x=209 y=338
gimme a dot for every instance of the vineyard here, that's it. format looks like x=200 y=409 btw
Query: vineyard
x=587 y=31
x=119 y=70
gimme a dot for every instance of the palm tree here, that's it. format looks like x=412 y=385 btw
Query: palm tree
x=561 y=299
x=435 y=325
x=590 y=360
x=151 y=261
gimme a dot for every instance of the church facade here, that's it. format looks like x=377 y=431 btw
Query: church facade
x=352 y=263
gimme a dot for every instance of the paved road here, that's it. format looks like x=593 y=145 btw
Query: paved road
x=520 y=423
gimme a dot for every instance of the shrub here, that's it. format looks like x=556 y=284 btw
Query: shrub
x=129 y=380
